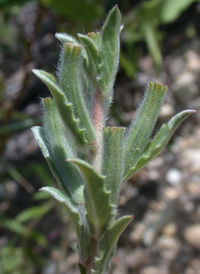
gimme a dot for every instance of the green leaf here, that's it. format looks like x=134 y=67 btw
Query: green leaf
x=150 y=33
x=108 y=244
x=70 y=206
x=141 y=128
x=70 y=77
x=97 y=199
x=23 y=230
x=56 y=149
x=76 y=214
x=65 y=38
x=109 y=51
x=92 y=55
x=65 y=108
x=96 y=37
x=34 y=212
x=113 y=160
x=172 y=9
x=160 y=140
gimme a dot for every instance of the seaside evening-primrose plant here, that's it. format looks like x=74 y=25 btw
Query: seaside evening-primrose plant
x=89 y=160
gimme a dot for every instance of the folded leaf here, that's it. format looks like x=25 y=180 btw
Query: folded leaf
x=75 y=214
x=141 y=128
x=108 y=244
x=92 y=55
x=56 y=148
x=70 y=78
x=97 y=199
x=160 y=140
x=109 y=52
x=113 y=160
x=64 y=107
x=96 y=37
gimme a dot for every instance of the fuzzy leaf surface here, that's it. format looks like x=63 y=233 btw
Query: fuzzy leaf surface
x=66 y=38
x=96 y=37
x=56 y=148
x=109 y=52
x=160 y=140
x=75 y=213
x=71 y=75
x=108 y=244
x=92 y=55
x=64 y=107
x=97 y=199
x=141 y=128
x=71 y=207
x=113 y=160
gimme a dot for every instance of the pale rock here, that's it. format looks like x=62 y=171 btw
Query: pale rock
x=170 y=229
x=152 y=270
x=174 y=177
x=191 y=235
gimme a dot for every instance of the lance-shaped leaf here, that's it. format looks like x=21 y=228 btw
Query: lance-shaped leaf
x=56 y=148
x=97 y=199
x=160 y=140
x=66 y=38
x=92 y=55
x=76 y=214
x=113 y=160
x=64 y=107
x=109 y=51
x=108 y=244
x=140 y=131
x=70 y=77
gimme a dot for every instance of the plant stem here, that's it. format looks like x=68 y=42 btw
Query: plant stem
x=98 y=120
x=90 y=261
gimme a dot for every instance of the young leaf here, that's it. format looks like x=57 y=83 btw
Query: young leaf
x=109 y=51
x=97 y=199
x=160 y=140
x=65 y=108
x=113 y=160
x=96 y=37
x=70 y=76
x=66 y=38
x=141 y=128
x=108 y=244
x=91 y=53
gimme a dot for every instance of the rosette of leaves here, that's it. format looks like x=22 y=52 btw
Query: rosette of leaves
x=89 y=160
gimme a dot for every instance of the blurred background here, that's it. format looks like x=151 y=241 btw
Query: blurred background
x=160 y=42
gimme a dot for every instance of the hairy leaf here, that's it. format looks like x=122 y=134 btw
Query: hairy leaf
x=75 y=213
x=70 y=76
x=113 y=160
x=55 y=146
x=66 y=38
x=96 y=37
x=64 y=107
x=141 y=128
x=97 y=199
x=160 y=140
x=108 y=244
x=91 y=53
x=109 y=52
